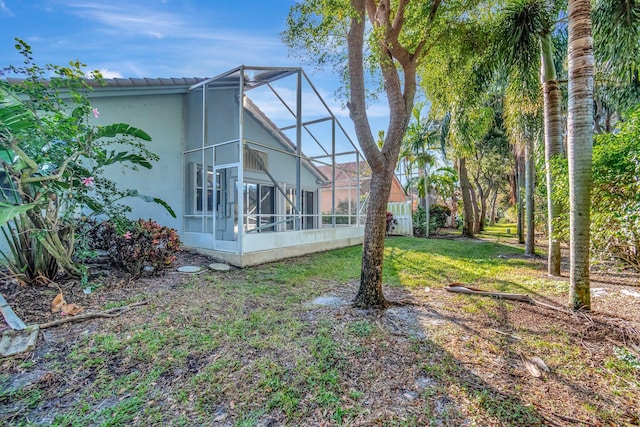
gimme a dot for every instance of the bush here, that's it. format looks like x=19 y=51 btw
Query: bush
x=437 y=219
x=53 y=162
x=145 y=243
x=391 y=223
x=615 y=213
x=615 y=199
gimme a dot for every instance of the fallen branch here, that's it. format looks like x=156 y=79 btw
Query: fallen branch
x=113 y=312
x=627 y=334
x=461 y=289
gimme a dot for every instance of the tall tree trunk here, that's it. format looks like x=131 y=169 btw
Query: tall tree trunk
x=492 y=221
x=373 y=246
x=476 y=210
x=483 y=205
x=530 y=243
x=580 y=143
x=400 y=92
x=427 y=206
x=519 y=188
x=552 y=148
x=467 y=203
x=454 y=209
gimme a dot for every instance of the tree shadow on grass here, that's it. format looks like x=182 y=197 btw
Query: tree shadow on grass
x=500 y=403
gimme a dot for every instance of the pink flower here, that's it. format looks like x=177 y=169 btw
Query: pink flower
x=127 y=235
x=95 y=112
x=88 y=181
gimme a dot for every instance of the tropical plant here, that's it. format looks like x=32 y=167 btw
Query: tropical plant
x=616 y=31
x=425 y=137
x=144 y=246
x=53 y=160
x=437 y=219
x=456 y=81
x=526 y=45
x=615 y=202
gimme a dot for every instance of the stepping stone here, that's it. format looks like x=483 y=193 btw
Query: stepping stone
x=217 y=266
x=190 y=269
x=14 y=342
x=329 y=301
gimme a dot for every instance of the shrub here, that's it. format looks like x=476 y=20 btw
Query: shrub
x=53 y=161
x=391 y=223
x=615 y=199
x=437 y=219
x=144 y=244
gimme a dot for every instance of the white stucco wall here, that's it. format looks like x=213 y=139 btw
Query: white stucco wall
x=161 y=116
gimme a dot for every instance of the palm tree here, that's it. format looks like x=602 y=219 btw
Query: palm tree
x=580 y=143
x=525 y=32
x=422 y=138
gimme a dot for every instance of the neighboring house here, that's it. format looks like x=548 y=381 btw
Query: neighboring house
x=242 y=174
x=347 y=191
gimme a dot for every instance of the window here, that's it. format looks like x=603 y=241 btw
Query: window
x=259 y=207
x=200 y=188
x=308 y=209
x=289 y=208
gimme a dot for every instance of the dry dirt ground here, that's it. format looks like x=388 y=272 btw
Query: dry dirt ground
x=428 y=361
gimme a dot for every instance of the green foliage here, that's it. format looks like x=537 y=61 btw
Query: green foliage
x=144 y=243
x=521 y=25
x=626 y=356
x=616 y=31
x=615 y=203
x=615 y=212
x=53 y=158
x=437 y=219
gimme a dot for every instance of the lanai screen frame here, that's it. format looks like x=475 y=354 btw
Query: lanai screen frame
x=244 y=79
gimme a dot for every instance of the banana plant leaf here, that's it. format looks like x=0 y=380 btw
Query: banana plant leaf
x=134 y=193
x=9 y=212
x=14 y=115
x=116 y=129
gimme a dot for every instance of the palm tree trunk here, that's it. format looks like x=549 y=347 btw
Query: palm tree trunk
x=467 y=204
x=519 y=188
x=492 y=221
x=552 y=148
x=476 y=210
x=580 y=143
x=482 y=195
x=530 y=243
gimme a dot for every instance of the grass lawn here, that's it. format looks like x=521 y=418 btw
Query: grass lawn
x=250 y=348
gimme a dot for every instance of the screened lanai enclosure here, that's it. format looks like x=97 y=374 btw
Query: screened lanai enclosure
x=262 y=151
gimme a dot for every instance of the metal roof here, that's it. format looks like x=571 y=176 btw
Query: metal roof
x=133 y=82
x=251 y=76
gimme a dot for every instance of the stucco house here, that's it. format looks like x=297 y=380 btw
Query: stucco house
x=352 y=182
x=243 y=160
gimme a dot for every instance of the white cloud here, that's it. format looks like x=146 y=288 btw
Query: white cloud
x=110 y=74
x=5 y=9
x=128 y=19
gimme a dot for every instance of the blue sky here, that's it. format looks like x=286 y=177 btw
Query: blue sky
x=159 y=38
